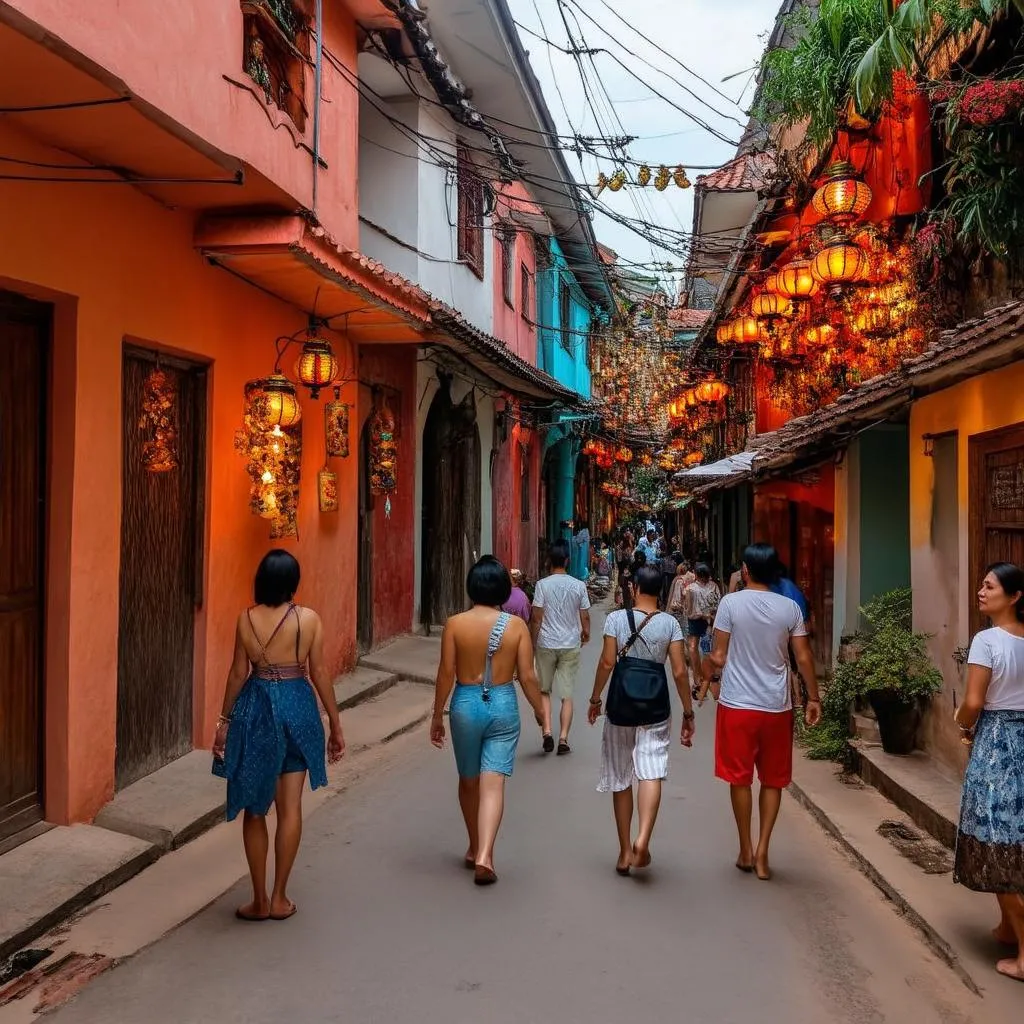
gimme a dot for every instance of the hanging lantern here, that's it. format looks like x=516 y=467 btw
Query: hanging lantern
x=317 y=366
x=623 y=455
x=771 y=284
x=873 y=321
x=723 y=332
x=796 y=281
x=770 y=305
x=617 y=180
x=383 y=453
x=276 y=403
x=844 y=197
x=818 y=335
x=662 y=179
x=840 y=263
x=680 y=178
x=747 y=330
x=336 y=427
x=643 y=176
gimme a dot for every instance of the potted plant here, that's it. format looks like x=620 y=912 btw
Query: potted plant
x=892 y=670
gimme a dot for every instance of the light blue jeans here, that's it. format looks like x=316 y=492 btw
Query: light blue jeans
x=485 y=734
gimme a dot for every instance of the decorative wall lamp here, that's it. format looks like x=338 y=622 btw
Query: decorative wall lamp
x=317 y=366
x=843 y=197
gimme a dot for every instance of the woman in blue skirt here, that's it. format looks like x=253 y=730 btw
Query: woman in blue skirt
x=270 y=733
x=481 y=651
x=990 y=841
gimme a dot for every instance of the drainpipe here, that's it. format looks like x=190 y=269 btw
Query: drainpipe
x=318 y=72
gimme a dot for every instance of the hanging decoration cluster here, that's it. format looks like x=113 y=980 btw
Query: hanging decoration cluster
x=644 y=177
x=159 y=421
x=270 y=441
x=383 y=453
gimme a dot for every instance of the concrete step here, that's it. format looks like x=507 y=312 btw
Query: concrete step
x=924 y=790
x=360 y=685
x=397 y=710
x=413 y=658
x=866 y=728
x=50 y=877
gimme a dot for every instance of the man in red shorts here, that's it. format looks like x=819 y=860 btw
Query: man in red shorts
x=754 y=629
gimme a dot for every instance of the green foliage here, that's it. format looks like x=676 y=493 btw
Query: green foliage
x=889 y=656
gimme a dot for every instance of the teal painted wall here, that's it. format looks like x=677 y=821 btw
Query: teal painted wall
x=563 y=356
x=884 y=510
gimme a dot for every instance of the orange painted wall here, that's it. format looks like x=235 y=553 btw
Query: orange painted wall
x=186 y=60
x=119 y=265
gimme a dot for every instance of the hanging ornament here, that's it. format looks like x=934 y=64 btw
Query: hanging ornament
x=663 y=178
x=680 y=178
x=643 y=177
x=336 y=427
x=383 y=450
x=617 y=180
x=602 y=184
x=159 y=421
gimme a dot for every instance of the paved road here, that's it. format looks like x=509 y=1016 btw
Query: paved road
x=391 y=929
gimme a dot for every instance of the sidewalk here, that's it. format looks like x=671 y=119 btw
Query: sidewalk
x=49 y=878
x=910 y=866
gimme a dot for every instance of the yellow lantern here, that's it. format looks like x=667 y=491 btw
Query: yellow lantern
x=723 y=333
x=818 y=335
x=796 y=281
x=747 y=330
x=275 y=402
x=769 y=305
x=317 y=366
x=844 y=197
x=840 y=263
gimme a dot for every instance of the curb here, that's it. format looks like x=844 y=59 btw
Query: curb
x=935 y=941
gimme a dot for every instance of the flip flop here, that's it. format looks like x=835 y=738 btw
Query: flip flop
x=563 y=748
x=284 y=917
x=250 y=917
x=484 y=876
x=1010 y=969
x=549 y=743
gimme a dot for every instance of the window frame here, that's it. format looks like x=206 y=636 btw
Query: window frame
x=565 y=316
x=470 y=187
x=526 y=287
x=507 y=245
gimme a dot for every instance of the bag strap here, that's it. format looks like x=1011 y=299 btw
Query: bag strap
x=636 y=632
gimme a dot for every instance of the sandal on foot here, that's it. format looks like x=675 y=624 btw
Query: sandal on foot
x=563 y=748
x=284 y=917
x=549 y=743
x=484 y=876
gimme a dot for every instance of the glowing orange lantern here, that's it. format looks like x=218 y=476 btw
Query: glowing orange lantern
x=840 y=263
x=770 y=305
x=796 y=281
x=723 y=333
x=275 y=402
x=818 y=335
x=317 y=366
x=623 y=455
x=844 y=197
x=747 y=330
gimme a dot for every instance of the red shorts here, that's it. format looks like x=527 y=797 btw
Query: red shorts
x=748 y=739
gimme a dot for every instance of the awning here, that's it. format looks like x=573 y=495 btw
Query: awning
x=738 y=463
x=300 y=264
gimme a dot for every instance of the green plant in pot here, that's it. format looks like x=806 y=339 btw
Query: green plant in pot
x=892 y=670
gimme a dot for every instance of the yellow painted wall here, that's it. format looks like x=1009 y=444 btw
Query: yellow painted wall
x=943 y=591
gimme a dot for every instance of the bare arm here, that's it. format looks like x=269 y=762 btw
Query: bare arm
x=443 y=684
x=584 y=625
x=237 y=674
x=527 y=673
x=605 y=667
x=320 y=677
x=805 y=663
x=715 y=661
x=682 y=681
x=979 y=679
x=536 y=618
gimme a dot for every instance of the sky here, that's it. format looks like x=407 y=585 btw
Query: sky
x=714 y=38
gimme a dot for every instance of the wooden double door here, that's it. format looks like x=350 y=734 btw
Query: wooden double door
x=24 y=348
x=996 y=502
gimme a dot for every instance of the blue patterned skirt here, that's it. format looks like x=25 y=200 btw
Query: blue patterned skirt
x=990 y=841
x=275 y=728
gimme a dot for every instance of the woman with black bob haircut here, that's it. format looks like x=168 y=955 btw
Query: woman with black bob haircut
x=990 y=839
x=481 y=651
x=269 y=734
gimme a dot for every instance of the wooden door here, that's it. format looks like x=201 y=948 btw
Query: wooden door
x=996 y=503
x=24 y=343
x=161 y=553
x=364 y=593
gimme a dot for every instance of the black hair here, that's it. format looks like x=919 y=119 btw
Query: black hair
x=1011 y=579
x=558 y=554
x=647 y=580
x=762 y=562
x=677 y=558
x=277 y=578
x=489 y=582
x=639 y=559
x=702 y=571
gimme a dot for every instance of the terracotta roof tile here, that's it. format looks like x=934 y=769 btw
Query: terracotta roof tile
x=688 y=319
x=748 y=172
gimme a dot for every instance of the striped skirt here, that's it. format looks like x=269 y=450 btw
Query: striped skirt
x=631 y=753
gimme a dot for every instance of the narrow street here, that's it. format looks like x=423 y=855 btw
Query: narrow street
x=391 y=929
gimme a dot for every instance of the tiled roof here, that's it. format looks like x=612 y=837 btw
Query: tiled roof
x=684 y=319
x=748 y=172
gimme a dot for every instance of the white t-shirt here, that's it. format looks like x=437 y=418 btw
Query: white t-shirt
x=759 y=624
x=1003 y=653
x=654 y=639
x=562 y=597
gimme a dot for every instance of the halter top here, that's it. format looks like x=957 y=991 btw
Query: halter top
x=263 y=668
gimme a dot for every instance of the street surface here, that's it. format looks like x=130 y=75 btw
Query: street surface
x=391 y=930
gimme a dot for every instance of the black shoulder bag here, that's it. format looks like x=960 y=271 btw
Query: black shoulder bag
x=638 y=693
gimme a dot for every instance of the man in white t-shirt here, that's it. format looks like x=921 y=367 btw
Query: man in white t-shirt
x=754 y=629
x=559 y=626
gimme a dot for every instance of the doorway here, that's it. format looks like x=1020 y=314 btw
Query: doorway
x=24 y=347
x=364 y=591
x=996 y=503
x=451 y=503
x=161 y=574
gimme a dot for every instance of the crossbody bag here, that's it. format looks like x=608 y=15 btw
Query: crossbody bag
x=638 y=693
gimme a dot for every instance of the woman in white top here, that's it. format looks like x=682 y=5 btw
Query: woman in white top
x=701 y=603
x=990 y=840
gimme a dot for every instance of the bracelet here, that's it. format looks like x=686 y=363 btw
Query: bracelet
x=595 y=702
x=689 y=716
x=813 y=700
x=224 y=720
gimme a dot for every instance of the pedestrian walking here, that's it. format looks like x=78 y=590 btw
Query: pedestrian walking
x=269 y=734
x=559 y=626
x=754 y=729
x=518 y=603
x=700 y=604
x=482 y=650
x=990 y=839
x=638 y=723
x=649 y=546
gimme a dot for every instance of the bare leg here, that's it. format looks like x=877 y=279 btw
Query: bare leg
x=257 y=844
x=1012 y=905
x=469 y=802
x=492 y=807
x=565 y=720
x=769 y=801
x=286 y=839
x=743 y=809
x=545 y=699
x=622 y=802
x=649 y=799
